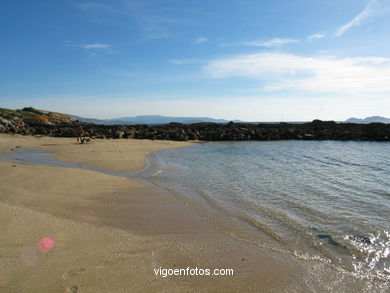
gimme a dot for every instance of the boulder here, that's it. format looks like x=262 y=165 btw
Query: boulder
x=119 y=134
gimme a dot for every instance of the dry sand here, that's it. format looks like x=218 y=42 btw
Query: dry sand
x=118 y=154
x=110 y=233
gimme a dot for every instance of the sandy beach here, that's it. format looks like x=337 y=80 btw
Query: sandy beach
x=108 y=234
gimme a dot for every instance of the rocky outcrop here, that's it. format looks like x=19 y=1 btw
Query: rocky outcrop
x=30 y=121
x=32 y=116
x=315 y=130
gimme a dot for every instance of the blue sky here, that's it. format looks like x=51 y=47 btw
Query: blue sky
x=250 y=60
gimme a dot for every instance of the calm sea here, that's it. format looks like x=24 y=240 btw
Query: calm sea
x=324 y=200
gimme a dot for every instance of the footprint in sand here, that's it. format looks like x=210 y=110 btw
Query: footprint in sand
x=72 y=273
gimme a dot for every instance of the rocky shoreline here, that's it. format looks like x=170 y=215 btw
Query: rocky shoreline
x=315 y=130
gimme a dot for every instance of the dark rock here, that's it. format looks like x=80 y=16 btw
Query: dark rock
x=119 y=134
x=230 y=124
x=361 y=239
x=206 y=131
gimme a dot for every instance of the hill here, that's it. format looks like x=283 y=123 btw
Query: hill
x=369 y=120
x=31 y=115
x=151 y=120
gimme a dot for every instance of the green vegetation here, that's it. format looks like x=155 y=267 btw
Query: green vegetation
x=17 y=114
x=32 y=113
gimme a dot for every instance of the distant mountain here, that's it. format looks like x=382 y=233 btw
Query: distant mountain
x=151 y=120
x=369 y=120
x=35 y=116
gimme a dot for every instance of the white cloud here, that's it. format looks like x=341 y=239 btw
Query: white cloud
x=200 y=40
x=367 y=13
x=316 y=36
x=280 y=71
x=95 y=46
x=276 y=42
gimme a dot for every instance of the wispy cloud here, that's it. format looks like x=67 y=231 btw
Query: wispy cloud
x=154 y=27
x=278 y=71
x=94 y=46
x=316 y=36
x=368 y=12
x=88 y=6
x=146 y=15
x=200 y=40
x=92 y=49
x=96 y=11
x=275 y=42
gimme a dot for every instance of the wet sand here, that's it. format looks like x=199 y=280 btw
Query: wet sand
x=110 y=233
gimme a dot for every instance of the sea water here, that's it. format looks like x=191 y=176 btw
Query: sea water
x=324 y=200
x=321 y=201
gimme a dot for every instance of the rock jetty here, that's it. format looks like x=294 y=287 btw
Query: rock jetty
x=38 y=122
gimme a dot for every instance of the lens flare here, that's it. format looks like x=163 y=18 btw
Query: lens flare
x=46 y=244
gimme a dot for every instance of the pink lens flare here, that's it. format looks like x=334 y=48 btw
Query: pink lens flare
x=46 y=244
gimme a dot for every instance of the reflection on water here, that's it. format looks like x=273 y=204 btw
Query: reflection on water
x=326 y=200
x=31 y=156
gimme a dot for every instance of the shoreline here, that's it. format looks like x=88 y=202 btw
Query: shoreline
x=112 y=233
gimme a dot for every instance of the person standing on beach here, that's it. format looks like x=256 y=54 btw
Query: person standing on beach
x=79 y=132
x=20 y=125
